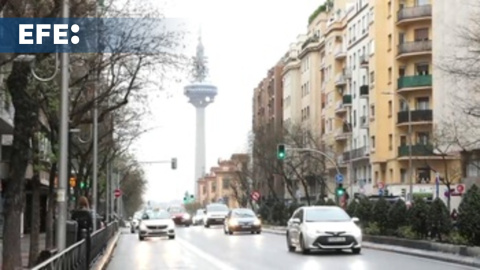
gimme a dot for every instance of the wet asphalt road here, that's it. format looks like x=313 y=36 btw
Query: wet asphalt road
x=210 y=249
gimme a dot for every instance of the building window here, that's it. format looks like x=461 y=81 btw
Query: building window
x=423 y=103
x=390 y=109
x=214 y=187
x=422 y=69
x=403 y=140
x=422 y=138
x=389 y=42
x=421 y=34
x=373 y=142
x=390 y=142
x=204 y=189
x=389 y=8
x=372 y=77
x=354 y=118
x=372 y=110
x=226 y=183
x=403 y=176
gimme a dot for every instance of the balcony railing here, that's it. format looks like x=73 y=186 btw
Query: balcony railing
x=415 y=47
x=417 y=116
x=417 y=150
x=364 y=122
x=347 y=99
x=364 y=90
x=414 y=81
x=355 y=153
x=347 y=127
x=407 y=13
x=364 y=59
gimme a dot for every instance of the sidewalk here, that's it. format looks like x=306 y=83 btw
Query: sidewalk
x=25 y=248
x=451 y=258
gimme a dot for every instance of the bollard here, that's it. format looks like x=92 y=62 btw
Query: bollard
x=86 y=236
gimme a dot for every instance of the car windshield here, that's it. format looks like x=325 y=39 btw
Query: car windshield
x=330 y=214
x=243 y=213
x=175 y=210
x=199 y=212
x=156 y=215
x=217 y=208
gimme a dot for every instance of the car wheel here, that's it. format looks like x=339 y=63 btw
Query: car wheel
x=302 y=246
x=225 y=230
x=132 y=230
x=141 y=238
x=171 y=237
x=259 y=232
x=289 y=245
x=187 y=225
x=207 y=225
x=356 y=250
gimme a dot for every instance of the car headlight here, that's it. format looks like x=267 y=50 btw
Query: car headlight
x=233 y=222
x=357 y=232
x=257 y=222
x=171 y=224
x=186 y=216
x=142 y=226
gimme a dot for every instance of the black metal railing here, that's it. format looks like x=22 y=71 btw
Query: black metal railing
x=417 y=150
x=75 y=256
x=355 y=153
x=364 y=90
x=417 y=116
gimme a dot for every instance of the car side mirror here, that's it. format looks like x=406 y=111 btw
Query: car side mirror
x=355 y=219
x=205 y=212
x=295 y=220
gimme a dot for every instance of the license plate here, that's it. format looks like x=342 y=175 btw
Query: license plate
x=336 y=239
x=219 y=219
x=246 y=226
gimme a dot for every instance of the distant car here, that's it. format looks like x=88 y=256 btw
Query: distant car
x=156 y=224
x=180 y=216
x=198 y=218
x=215 y=214
x=242 y=220
x=323 y=228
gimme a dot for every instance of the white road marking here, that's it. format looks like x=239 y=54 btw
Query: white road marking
x=218 y=263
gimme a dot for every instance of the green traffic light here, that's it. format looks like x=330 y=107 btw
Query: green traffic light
x=82 y=184
x=281 y=151
x=340 y=191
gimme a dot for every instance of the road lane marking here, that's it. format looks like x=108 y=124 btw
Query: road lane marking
x=218 y=263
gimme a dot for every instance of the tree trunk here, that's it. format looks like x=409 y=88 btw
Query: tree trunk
x=24 y=121
x=35 y=222
x=50 y=232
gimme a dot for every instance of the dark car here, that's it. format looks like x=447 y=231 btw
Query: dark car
x=242 y=220
x=180 y=216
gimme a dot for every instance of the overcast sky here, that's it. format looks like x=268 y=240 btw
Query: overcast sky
x=242 y=40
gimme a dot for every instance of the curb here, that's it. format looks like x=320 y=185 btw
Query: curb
x=107 y=255
x=445 y=257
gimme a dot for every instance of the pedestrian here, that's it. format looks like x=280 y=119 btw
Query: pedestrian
x=83 y=217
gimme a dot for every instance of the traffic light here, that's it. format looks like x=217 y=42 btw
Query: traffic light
x=184 y=199
x=82 y=185
x=340 y=191
x=174 y=163
x=281 y=151
x=192 y=197
x=73 y=182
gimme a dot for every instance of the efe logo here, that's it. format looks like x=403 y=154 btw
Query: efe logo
x=43 y=30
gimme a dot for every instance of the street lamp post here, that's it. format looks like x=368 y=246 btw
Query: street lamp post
x=410 y=164
x=350 y=159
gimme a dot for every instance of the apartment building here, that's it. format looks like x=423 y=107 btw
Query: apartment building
x=268 y=119
x=221 y=184
x=355 y=50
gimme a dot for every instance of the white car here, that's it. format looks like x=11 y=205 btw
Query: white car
x=198 y=218
x=156 y=224
x=215 y=214
x=323 y=228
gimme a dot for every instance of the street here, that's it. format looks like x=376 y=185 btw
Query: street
x=200 y=248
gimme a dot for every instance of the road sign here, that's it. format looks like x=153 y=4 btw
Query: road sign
x=117 y=193
x=339 y=178
x=255 y=195
x=460 y=188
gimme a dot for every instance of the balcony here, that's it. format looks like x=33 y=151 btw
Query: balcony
x=418 y=116
x=340 y=80
x=414 y=48
x=340 y=53
x=418 y=150
x=356 y=154
x=364 y=59
x=364 y=91
x=364 y=123
x=414 y=82
x=413 y=14
x=344 y=132
x=347 y=100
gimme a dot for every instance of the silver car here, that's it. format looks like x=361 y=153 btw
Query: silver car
x=323 y=228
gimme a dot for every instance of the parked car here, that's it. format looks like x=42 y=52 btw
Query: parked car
x=215 y=214
x=242 y=220
x=198 y=218
x=156 y=224
x=180 y=216
x=323 y=228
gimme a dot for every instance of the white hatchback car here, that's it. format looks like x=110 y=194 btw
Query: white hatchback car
x=323 y=228
x=156 y=224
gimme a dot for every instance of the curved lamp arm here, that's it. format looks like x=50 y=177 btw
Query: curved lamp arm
x=80 y=139
x=32 y=67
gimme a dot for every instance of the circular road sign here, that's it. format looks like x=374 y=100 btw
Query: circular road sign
x=460 y=188
x=117 y=193
x=255 y=195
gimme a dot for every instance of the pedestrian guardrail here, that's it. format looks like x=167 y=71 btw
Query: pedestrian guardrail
x=75 y=256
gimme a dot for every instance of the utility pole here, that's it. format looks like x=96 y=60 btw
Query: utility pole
x=61 y=228
x=107 y=195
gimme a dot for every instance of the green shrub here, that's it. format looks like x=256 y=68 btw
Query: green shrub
x=372 y=229
x=419 y=217
x=352 y=208
x=439 y=221
x=457 y=239
x=330 y=202
x=364 y=211
x=380 y=214
x=469 y=216
x=397 y=215
x=406 y=232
